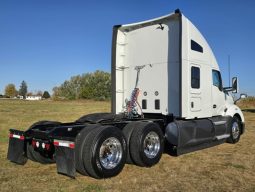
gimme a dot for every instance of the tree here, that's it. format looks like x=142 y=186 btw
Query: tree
x=95 y=85
x=23 y=89
x=46 y=95
x=70 y=89
x=56 y=93
x=39 y=93
x=10 y=90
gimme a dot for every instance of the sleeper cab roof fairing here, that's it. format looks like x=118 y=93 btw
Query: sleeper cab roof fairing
x=162 y=19
x=186 y=23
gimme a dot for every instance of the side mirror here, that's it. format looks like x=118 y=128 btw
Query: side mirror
x=243 y=96
x=235 y=85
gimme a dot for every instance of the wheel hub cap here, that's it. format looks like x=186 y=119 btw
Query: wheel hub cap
x=235 y=130
x=110 y=153
x=151 y=144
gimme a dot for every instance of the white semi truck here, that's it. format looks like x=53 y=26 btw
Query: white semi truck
x=167 y=96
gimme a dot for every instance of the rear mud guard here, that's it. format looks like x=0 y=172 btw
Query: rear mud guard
x=65 y=157
x=16 y=149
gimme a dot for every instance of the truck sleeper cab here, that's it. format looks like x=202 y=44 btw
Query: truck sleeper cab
x=167 y=96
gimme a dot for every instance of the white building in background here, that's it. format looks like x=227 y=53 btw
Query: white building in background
x=20 y=97
x=33 y=98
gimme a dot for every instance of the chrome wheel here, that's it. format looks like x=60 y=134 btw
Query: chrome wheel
x=235 y=130
x=110 y=153
x=151 y=144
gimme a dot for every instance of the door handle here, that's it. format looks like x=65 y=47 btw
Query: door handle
x=214 y=106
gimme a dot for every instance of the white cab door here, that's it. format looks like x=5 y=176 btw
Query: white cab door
x=195 y=89
x=218 y=96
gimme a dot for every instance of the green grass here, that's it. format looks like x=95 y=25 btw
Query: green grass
x=237 y=166
x=225 y=167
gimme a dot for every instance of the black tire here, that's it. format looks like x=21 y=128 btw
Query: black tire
x=79 y=144
x=235 y=130
x=30 y=153
x=145 y=132
x=37 y=156
x=127 y=132
x=95 y=117
x=44 y=122
x=91 y=152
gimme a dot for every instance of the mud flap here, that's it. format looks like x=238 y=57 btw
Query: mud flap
x=65 y=157
x=16 y=149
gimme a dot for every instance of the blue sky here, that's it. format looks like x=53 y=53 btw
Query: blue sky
x=45 y=42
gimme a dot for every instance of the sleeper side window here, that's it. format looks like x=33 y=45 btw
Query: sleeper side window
x=217 y=79
x=196 y=47
x=195 y=77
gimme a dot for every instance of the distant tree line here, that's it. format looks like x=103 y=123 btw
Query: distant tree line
x=12 y=92
x=96 y=85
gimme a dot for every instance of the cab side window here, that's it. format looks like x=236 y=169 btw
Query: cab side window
x=217 y=79
x=195 y=77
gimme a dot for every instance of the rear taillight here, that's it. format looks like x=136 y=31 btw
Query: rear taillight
x=33 y=143
x=37 y=144
x=47 y=146
x=21 y=137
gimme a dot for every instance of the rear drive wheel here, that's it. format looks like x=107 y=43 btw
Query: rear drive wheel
x=104 y=152
x=30 y=153
x=35 y=155
x=44 y=122
x=95 y=117
x=127 y=131
x=235 y=131
x=79 y=144
x=146 y=144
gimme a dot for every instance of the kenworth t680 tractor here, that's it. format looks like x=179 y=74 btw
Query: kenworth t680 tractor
x=167 y=96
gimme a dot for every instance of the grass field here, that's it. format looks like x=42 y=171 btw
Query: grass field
x=222 y=168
